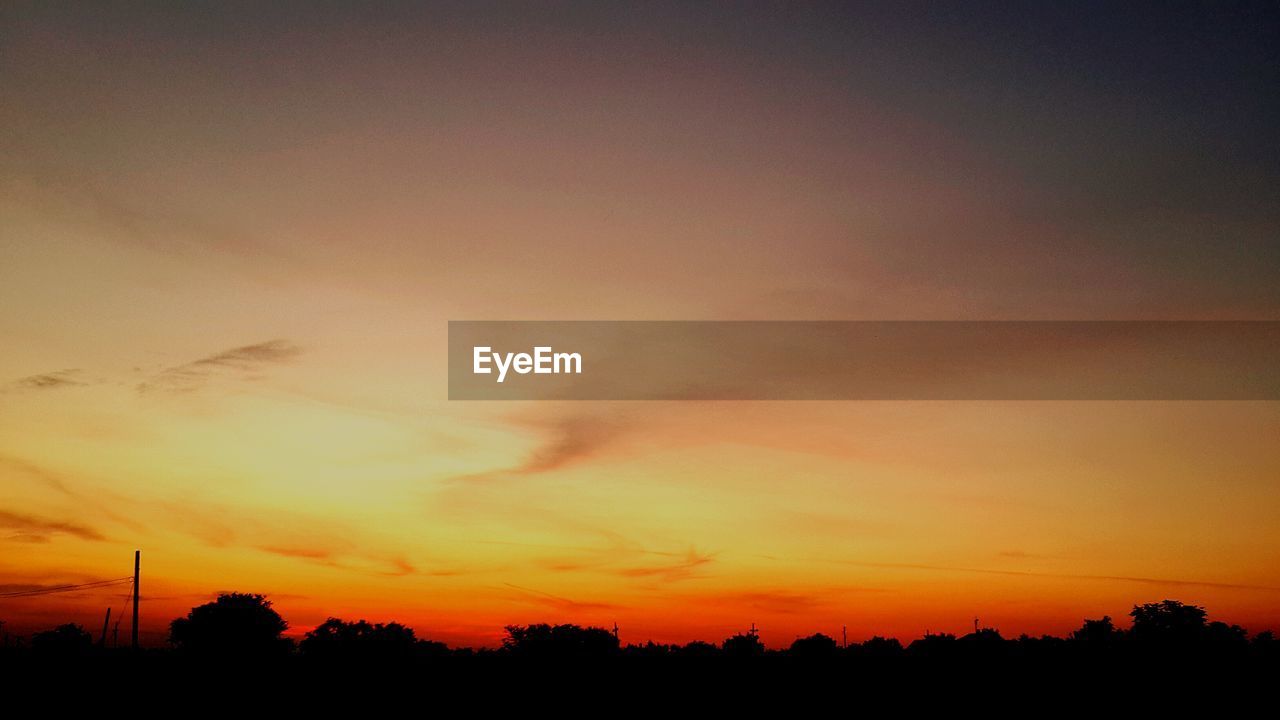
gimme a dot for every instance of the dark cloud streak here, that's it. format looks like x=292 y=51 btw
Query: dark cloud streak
x=557 y=602
x=48 y=381
x=241 y=361
x=31 y=528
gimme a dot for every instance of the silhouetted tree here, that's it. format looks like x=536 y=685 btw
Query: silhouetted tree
x=64 y=640
x=1168 y=622
x=878 y=648
x=362 y=640
x=237 y=627
x=815 y=646
x=234 y=624
x=1099 y=633
x=563 y=641
x=983 y=644
x=1225 y=638
x=698 y=649
x=1040 y=648
x=743 y=645
x=933 y=645
x=649 y=650
x=1265 y=646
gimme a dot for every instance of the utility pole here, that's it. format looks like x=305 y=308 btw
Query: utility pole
x=102 y=641
x=137 y=567
x=844 y=636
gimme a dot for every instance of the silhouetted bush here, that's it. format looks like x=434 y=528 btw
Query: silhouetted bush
x=985 y=644
x=937 y=646
x=559 y=641
x=239 y=624
x=65 y=640
x=1167 y=622
x=1097 y=633
x=1264 y=646
x=1039 y=649
x=697 y=649
x=336 y=639
x=742 y=645
x=649 y=650
x=817 y=646
x=878 y=648
x=1171 y=627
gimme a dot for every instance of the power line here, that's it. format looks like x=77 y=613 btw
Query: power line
x=115 y=631
x=66 y=588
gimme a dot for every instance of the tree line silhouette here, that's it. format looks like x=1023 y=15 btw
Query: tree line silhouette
x=245 y=626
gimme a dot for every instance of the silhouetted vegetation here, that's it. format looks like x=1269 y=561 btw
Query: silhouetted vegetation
x=1166 y=637
x=1173 y=627
x=64 y=640
x=362 y=641
x=236 y=624
x=877 y=649
x=559 y=641
x=743 y=645
x=815 y=647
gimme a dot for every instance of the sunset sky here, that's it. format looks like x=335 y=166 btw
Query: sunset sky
x=232 y=236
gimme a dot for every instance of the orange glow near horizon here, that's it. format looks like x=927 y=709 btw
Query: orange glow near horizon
x=677 y=521
x=229 y=251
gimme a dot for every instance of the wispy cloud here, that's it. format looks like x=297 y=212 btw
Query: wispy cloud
x=48 y=381
x=1166 y=582
x=325 y=555
x=75 y=200
x=572 y=439
x=100 y=503
x=296 y=536
x=569 y=440
x=683 y=569
x=243 y=362
x=557 y=602
x=348 y=559
x=47 y=478
x=622 y=558
x=31 y=528
x=1023 y=555
x=784 y=602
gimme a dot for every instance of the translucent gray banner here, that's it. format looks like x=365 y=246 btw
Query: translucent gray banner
x=864 y=360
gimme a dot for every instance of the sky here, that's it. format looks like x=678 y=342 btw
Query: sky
x=232 y=236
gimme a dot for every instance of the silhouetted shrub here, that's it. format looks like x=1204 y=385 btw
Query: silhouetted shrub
x=562 y=641
x=235 y=624
x=698 y=649
x=1264 y=646
x=984 y=644
x=817 y=646
x=65 y=640
x=1097 y=633
x=878 y=648
x=743 y=645
x=338 y=639
x=649 y=650
x=1167 y=622
x=941 y=645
